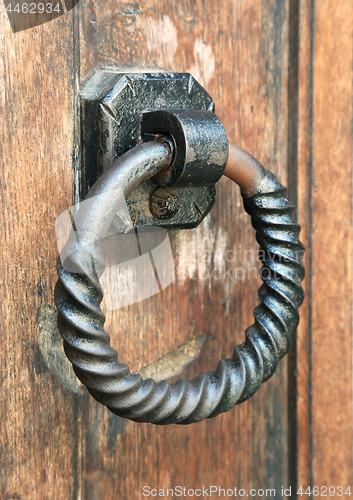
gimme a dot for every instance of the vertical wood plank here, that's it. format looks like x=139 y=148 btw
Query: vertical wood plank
x=304 y=333
x=332 y=243
x=325 y=212
x=40 y=420
x=239 y=52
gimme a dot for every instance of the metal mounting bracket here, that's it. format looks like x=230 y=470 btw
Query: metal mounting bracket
x=112 y=105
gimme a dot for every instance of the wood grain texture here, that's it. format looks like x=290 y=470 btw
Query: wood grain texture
x=56 y=445
x=324 y=350
x=40 y=420
x=238 y=51
x=304 y=189
x=332 y=244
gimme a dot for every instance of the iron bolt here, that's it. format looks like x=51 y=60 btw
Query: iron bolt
x=164 y=203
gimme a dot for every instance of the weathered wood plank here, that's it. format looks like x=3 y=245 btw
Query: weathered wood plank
x=332 y=244
x=304 y=189
x=238 y=51
x=325 y=211
x=40 y=420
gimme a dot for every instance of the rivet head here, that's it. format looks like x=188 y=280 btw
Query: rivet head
x=164 y=203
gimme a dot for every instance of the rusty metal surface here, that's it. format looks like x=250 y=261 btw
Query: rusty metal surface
x=245 y=170
x=164 y=203
x=81 y=322
x=111 y=107
x=200 y=141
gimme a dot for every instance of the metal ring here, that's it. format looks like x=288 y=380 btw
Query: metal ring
x=78 y=296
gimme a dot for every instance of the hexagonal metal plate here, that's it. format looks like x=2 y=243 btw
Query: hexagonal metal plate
x=111 y=106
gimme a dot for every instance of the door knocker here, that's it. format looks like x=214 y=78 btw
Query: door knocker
x=175 y=140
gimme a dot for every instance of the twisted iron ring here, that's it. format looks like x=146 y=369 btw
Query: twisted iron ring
x=78 y=295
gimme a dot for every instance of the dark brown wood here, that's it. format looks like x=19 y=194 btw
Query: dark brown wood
x=40 y=424
x=281 y=75
x=238 y=51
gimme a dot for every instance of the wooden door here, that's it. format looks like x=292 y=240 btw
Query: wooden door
x=281 y=76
